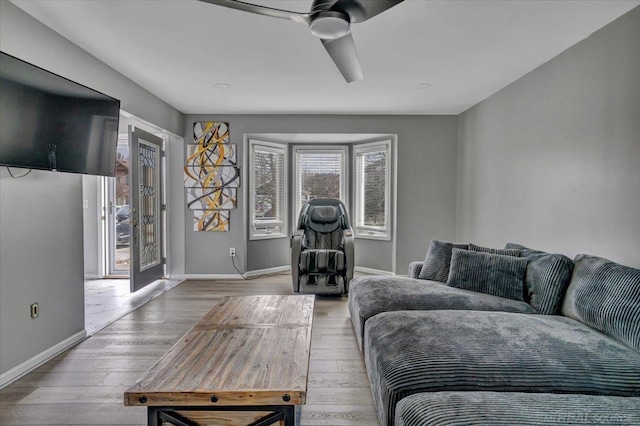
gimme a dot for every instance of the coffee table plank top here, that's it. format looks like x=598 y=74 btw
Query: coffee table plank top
x=251 y=350
x=251 y=311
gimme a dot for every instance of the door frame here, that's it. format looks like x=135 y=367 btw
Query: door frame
x=173 y=230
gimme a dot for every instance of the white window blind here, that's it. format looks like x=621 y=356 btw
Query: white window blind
x=372 y=194
x=319 y=174
x=267 y=183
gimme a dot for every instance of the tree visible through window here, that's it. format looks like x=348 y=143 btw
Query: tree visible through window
x=268 y=191
x=372 y=182
x=319 y=174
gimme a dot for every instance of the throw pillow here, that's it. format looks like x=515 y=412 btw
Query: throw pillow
x=488 y=273
x=504 y=252
x=546 y=279
x=436 y=264
x=605 y=296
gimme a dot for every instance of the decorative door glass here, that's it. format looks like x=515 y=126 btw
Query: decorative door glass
x=149 y=214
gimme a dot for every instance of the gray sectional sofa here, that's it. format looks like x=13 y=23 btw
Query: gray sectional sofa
x=509 y=336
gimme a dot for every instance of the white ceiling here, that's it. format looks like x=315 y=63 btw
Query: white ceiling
x=466 y=51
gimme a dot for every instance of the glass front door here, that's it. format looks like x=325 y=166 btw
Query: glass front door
x=146 y=195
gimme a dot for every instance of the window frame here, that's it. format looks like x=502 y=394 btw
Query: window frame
x=281 y=222
x=344 y=181
x=372 y=232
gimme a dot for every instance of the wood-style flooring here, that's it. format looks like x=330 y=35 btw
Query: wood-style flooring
x=85 y=384
x=106 y=300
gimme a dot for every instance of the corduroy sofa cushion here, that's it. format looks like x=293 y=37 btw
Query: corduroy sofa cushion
x=546 y=279
x=503 y=252
x=489 y=273
x=371 y=295
x=606 y=296
x=410 y=352
x=512 y=408
x=436 y=264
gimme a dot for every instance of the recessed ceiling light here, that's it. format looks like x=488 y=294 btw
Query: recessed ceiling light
x=423 y=86
x=222 y=86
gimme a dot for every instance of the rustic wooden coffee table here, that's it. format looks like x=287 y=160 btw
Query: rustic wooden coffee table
x=249 y=353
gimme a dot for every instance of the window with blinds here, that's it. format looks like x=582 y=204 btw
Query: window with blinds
x=267 y=189
x=319 y=173
x=372 y=190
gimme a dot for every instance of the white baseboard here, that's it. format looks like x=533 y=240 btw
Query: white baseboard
x=248 y=274
x=267 y=271
x=31 y=364
x=372 y=271
x=212 y=277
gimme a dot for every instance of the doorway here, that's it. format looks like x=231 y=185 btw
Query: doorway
x=118 y=216
x=110 y=217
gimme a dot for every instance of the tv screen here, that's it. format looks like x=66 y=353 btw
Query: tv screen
x=48 y=122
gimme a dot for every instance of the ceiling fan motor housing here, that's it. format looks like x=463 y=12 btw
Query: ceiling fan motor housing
x=329 y=24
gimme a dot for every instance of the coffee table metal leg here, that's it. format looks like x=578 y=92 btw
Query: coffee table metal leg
x=290 y=414
x=153 y=416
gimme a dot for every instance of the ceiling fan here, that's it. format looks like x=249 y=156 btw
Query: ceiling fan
x=330 y=21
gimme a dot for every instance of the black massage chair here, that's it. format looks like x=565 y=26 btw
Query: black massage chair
x=322 y=248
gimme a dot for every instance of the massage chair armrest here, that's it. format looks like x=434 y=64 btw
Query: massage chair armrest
x=349 y=255
x=296 y=249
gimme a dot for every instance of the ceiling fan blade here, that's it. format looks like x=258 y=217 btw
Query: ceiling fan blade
x=302 y=18
x=343 y=52
x=361 y=10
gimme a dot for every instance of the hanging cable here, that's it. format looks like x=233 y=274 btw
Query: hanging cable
x=257 y=276
x=18 y=177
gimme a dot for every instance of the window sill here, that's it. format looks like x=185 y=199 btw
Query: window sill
x=366 y=236
x=268 y=236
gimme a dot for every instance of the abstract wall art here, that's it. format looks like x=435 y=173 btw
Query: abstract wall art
x=218 y=154
x=211 y=176
x=211 y=198
x=211 y=220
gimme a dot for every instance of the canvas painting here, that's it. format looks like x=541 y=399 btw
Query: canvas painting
x=211 y=198
x=211 y=220
x=210 y=132
x=212 y=177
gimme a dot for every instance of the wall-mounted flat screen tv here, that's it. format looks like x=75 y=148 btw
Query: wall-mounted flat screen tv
x=48 y=122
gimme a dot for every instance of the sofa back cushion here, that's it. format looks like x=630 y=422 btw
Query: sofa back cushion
x=504 y=251
x=488 y=273
x=546 y=279
x=605 y=296
x=436 y=264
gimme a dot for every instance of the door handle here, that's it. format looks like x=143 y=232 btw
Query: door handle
x=134 y=222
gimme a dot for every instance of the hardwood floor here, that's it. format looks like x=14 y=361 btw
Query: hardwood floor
x=85 y=385
x=106 y=300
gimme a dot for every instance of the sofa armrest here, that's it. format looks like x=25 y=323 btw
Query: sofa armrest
x=415 y=268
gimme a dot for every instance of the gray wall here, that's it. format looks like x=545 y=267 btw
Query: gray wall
x=41 y=215
x=553 y=160
x=31 y=41
x=41 y=260
x=426 y=190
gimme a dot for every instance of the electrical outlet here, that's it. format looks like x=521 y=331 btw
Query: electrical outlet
x=232 y=252
x=34 y=310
